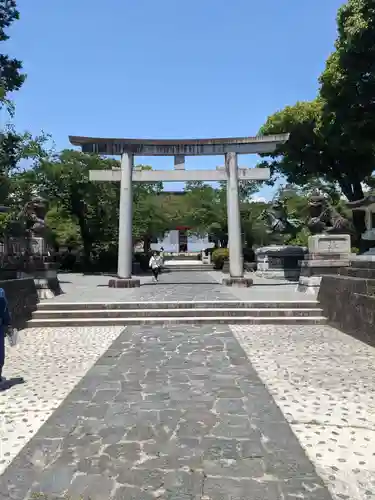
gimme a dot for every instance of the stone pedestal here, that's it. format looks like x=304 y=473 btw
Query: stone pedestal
x=280 y=261
x=47 y=284
x=124 y=283
x=327 y=254
x=206 y=259
x=240 y=282
x=31 y=258
x=45 y=278
x=225 y=269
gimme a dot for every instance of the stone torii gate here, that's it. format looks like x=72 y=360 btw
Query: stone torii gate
x=127 y=174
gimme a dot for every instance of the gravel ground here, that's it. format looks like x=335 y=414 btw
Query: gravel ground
x=324 y=383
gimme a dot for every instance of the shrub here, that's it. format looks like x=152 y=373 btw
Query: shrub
x=219 y=256
x=210 y=251
x=248 y=255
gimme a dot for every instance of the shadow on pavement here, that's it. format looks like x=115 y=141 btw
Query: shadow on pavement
x=179 y=283
x=9 y=383
x=288 y=283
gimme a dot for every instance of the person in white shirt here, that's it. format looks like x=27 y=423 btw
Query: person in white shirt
x=155 y=264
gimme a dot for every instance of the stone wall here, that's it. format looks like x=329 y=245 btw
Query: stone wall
x=22 y=298
x=349 y=304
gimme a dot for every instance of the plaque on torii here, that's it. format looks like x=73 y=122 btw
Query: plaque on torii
x=179 y=149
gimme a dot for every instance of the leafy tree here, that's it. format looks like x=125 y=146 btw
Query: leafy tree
x=149 y=219
x=304 y=156
x=255 y=231
x=206 y=213
x=347 y=90
x=14 y=149
x=11 y=78
x=64 y=231
x=311 y=155
x=348 y=82
x=332 y=137
x=93 y=206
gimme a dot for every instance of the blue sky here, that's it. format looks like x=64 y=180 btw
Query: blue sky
x=167 y=68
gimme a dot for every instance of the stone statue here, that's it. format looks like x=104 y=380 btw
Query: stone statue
x=33 y=215
x=324 y=218
x=279 y=221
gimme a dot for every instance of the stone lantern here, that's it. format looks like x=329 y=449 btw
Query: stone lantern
x=366 y=205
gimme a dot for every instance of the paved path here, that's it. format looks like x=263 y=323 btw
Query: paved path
x=178 y=285
x=169 y=413
x=182 y=412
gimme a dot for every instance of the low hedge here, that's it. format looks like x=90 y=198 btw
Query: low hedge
x=219 y=256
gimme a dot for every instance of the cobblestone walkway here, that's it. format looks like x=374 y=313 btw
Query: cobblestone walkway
x=171 y=413
x=324 y=382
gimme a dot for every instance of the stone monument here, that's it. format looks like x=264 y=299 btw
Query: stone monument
x=329 y=247
x=7 y=270
x=127 y=149
x=29 y=247
x=280 y=261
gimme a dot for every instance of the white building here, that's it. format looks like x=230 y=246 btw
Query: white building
x=179 y=241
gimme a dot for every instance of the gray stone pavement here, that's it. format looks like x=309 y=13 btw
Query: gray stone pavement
x=178 y=285
x=173 y=412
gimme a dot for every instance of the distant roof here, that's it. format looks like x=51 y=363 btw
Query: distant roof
x=362 y=203
x=4 y=209
x=170 y=147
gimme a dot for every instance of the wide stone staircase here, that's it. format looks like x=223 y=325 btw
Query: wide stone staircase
x=59 y=314
x=363 y=269
x=185 y=265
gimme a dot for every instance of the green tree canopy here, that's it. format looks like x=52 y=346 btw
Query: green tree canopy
x=11 y=77
x=332 y=137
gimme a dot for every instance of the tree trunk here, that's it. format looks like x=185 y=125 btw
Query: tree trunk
x=146 y=244
x=224 y=242
x=86 y=241
x=353 y=191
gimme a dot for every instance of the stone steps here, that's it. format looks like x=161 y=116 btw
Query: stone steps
x=247 y=320
x=177 y=304
x=363 y=264
x=175 y=313
x=187 y=267
x=358 y=272
x=58 y=314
